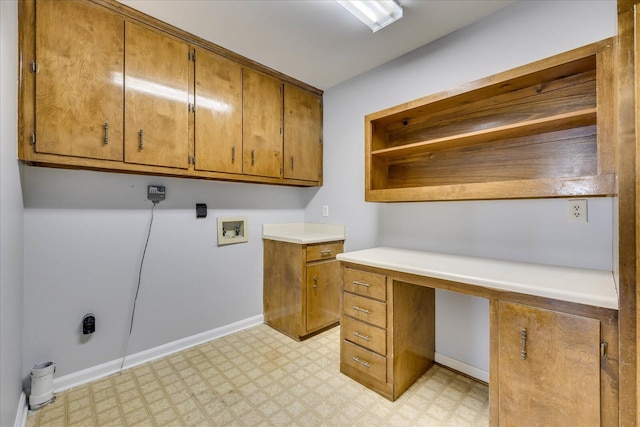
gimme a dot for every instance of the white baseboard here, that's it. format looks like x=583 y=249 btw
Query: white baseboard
x=100 y=371
x=472 y=371
x=23 y=410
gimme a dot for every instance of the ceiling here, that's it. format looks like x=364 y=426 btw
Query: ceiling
x=315 y=41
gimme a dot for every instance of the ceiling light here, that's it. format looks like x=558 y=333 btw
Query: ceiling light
x=376 y=14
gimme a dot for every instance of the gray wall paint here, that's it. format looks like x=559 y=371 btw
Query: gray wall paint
x=526 y=230
x=11 y=220
x=84 y=237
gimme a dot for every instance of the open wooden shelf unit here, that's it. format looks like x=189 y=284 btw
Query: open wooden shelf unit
x=546 y=129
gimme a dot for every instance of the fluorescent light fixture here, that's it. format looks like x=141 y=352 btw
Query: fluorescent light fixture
x=376 y=14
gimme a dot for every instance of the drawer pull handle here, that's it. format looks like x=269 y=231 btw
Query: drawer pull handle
x=326 y=252
x=362 y=310
x=366 y=285
x=523 y=350
x=362 y=362
x=359 y=335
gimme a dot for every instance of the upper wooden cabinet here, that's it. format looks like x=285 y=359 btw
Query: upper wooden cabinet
x=79 y=57
x=218 y=122
x=105 y=87
x=156 y=98
x=302 y=135
x=542 y=130
x=262 y=125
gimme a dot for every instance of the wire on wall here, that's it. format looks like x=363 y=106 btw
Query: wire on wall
x=135 y=299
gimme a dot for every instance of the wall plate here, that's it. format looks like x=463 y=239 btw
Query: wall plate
x=232 y=230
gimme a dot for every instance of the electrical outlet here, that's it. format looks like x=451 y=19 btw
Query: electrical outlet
x=577 y=210
x=325 y=210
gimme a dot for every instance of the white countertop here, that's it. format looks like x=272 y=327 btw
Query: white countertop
x=303 y=233
x=584 y=286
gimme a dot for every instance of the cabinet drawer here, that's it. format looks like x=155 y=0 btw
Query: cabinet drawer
x=364 y=283
x=368 y=310
x=365 y=361
x=365 y=335
x=323 y=251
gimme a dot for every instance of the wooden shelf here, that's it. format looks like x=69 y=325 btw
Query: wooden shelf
x=546 y=129
x=531 y=127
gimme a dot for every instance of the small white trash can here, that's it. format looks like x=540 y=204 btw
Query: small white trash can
x=41 y=385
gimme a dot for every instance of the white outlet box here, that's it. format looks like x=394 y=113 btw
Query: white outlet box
x=325 y=210
x=577 y=210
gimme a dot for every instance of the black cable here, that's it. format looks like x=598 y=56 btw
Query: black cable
x=135 y=299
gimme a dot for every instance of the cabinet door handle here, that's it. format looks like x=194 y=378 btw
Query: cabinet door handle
x=315 y=283
x=365 y=285
x=523 y=350
x=361 y=362
x=291 y=162
x=106 y=132
x=253 y=157
x=363 y=337
x=233 y=154
x=362 y=310
x=141 y=146
x=326 y=252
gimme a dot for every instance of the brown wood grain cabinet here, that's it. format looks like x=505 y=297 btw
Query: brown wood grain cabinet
x=156 y=98
x=541 y=130
x=105 y=87
x=262 y=125
x=218 y=121
x=301 y=287
x=549 y=367
x=302 y=135
x=552 y=362
x=387 y=331
x=79 y=68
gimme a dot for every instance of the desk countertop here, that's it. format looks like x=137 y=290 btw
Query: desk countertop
x=303 y=233
x=584 y=286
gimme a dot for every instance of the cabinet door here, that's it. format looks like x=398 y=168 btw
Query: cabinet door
x=79 y=57
x=218 y=125
x=302 y=134
x=323 y=294
x=156 y=98
x=551 y=375
x=262 y=125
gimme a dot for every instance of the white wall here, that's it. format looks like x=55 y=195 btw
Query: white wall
x=11 y=220
x=526 y=230
x=84 y=237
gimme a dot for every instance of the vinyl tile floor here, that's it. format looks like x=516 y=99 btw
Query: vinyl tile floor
x=259 y=377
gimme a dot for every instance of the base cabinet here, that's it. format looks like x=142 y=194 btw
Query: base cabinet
x=552 y=362
x=301 y=287
x=387 y=331
x=549 y=367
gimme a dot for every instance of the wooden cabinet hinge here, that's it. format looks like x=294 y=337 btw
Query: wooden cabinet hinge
x=192 y=55
x=192 y=107
x=32 y=65
x=33 y=139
